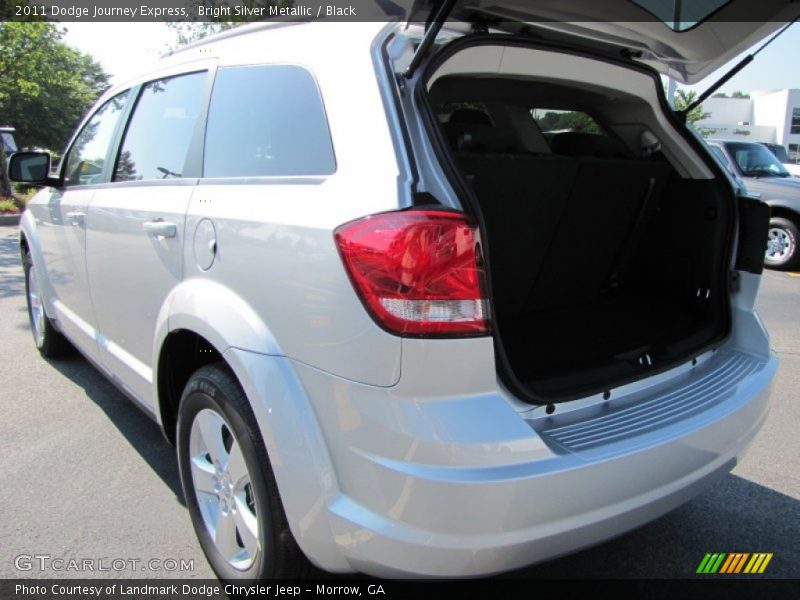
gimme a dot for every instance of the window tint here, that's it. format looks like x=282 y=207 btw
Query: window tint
x=267 y=120
x=680 y=15
x=85 y=161
x=794 y=153
x=160 y=130
x=795 y=120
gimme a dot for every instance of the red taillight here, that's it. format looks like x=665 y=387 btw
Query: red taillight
x=417 y=271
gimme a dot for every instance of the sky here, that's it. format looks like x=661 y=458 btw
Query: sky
x=125 y=49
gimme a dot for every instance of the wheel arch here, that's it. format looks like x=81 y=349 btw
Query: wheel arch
x=198 y=322
x=29 y=242
x=202 y=322
x=785 y=211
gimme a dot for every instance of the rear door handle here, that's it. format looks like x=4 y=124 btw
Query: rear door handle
x=158 y=228
x=76 y=218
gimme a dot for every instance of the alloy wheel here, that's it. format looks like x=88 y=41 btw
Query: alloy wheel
x=223 y=489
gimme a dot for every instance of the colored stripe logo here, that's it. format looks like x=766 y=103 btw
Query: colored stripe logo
x=734 y=563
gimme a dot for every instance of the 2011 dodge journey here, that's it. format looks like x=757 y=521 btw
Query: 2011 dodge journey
x=416 y=300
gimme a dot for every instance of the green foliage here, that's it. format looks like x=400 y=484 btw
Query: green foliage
x=46 y=86
x=8 y=11
x=739 y=95
x=683 y=98
x=188 y=32
x=7 y=206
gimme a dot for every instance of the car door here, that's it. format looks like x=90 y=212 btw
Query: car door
x=61 y=222
x=135 y=241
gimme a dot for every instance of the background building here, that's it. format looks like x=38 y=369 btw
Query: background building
x=766 y=116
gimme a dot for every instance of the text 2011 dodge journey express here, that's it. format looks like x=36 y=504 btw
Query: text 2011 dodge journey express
x=416 y=301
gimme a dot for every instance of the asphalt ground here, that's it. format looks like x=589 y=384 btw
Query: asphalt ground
x=87 y=475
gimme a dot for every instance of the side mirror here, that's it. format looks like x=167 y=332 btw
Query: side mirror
x=30 y=167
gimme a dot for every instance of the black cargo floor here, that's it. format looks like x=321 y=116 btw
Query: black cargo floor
x=609 y=333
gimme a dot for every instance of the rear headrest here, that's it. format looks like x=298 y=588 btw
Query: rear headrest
x=471 y=130
x=471 y=116
x=576 y=143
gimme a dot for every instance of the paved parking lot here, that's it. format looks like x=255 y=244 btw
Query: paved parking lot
x=88 y=476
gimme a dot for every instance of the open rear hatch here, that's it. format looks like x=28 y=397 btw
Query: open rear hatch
x=608 y=229
x=684 y=39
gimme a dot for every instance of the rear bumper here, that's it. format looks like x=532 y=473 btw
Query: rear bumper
x=466 y=486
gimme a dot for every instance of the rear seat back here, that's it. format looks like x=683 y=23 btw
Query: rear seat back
x=558 y=225
x=609 y=198
x=522 y=198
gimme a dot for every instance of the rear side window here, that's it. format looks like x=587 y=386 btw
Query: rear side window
x=267 y=121
x=161 y=128
x=86 y=158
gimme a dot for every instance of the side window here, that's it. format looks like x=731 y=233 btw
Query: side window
x=88 y=153
x=267 y=120
x=157 y=139
x=720 y=156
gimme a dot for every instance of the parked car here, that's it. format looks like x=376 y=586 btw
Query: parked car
x=781 y=154
x=7 y=142
x=389 y=325
x=766 y=176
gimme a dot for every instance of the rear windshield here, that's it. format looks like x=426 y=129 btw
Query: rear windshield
x=681 y=15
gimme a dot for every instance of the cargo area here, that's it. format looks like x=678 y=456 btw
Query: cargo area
x=606 y=264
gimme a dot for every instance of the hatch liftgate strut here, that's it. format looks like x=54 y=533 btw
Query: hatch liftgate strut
x=736 y=68
x=432 y=28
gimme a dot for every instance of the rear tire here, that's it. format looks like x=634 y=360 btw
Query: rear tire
x=49 y=341
x=782 y=240
x=229 y=485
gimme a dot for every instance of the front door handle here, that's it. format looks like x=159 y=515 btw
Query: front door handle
x=76 y=218
x=158 y=228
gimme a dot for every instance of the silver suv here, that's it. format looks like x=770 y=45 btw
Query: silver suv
x=438 y=301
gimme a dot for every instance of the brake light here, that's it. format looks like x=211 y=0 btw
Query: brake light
x=418 y=272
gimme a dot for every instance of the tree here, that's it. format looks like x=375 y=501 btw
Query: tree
x=739 y=95
x=683 y=98
x=46 y=86
x=8 y=11
x=186 y=32
x=218 y=21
